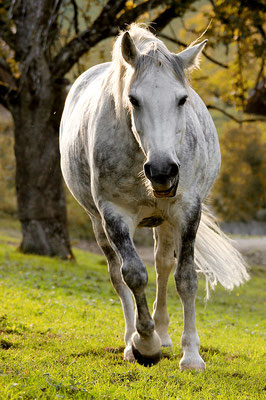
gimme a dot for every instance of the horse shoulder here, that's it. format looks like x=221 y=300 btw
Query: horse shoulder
x=204 y=118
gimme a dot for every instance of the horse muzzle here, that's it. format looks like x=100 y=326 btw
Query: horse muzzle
x=164 y=179
x=171 y=192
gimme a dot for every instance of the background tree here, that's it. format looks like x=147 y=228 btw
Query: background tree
x=240 y=192
x=34 y=62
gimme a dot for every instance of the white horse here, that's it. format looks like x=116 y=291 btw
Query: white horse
x=139 y=148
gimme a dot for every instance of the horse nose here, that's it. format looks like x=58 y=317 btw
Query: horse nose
x=161 y=173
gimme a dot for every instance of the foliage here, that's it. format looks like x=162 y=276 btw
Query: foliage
x=61 y=330
x=235 y=54
x=240 y=192
x=239 y=24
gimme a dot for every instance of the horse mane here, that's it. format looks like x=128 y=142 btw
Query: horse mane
x=152 y=50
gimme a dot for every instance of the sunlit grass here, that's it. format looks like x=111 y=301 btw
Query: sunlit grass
x=61 y=336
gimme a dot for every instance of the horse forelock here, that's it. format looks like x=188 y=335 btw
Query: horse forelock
x=153 y=52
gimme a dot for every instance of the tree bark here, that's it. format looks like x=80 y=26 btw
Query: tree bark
x=40 y=190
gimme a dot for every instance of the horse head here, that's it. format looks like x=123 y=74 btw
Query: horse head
x=156 y=95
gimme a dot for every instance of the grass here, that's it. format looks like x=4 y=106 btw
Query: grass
x=61 y=336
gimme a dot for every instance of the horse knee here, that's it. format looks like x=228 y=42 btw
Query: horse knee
x=186 y=282
x=135 y=274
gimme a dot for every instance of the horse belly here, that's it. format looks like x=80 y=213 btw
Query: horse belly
x=151 y=222
x=76 y=173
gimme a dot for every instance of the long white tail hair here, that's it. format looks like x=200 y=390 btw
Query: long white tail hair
x=216 y=257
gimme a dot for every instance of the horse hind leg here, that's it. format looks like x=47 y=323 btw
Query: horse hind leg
x=120 y=287
x=164 y=263
x=187 y=285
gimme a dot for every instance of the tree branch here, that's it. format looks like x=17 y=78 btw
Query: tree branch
x=164 y=18
x=180 y=43
x=132 y=14
x=103 y=27
x=75 y=7
x=7 y=95
x=239 y=121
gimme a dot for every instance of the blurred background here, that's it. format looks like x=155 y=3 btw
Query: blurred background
x=46 y=44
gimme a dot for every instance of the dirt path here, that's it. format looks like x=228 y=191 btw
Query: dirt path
x=252 y=248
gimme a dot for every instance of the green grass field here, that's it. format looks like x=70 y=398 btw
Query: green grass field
x=61 y=335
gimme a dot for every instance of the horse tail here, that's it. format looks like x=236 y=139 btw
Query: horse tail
x=216 y=257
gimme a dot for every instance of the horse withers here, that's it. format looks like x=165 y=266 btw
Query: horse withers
x=139 y=148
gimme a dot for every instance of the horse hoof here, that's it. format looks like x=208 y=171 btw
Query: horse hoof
x=128 y=354
x=146 y=361
x=197 y=364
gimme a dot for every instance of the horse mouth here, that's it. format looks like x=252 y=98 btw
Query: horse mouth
x=171 y=192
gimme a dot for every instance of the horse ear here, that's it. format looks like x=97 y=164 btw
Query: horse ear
x=190 y=57
x=129 y=50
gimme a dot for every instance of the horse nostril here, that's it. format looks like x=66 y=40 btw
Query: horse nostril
x=174 y=170
x=147 y=170
x=161 y=173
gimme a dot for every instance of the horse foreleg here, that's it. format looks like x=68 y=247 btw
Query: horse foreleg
x=187 y=285
x=145 y=342
x=164 y=263
x=114 y=268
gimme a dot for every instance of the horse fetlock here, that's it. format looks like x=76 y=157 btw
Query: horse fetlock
x=162 y=331
x=161 y=327
x=145 y=327
x=128 y=336
x=189 y=341
x=165 y=339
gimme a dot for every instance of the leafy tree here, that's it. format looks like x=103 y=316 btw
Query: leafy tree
x=240 y=192
x=41 y=41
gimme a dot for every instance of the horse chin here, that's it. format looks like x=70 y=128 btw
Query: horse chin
x=171 y=192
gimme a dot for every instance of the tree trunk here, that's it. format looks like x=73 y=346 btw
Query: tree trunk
x=39 y=185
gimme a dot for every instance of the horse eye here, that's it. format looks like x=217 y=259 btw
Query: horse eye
x=134 y=101
x=182 y=101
